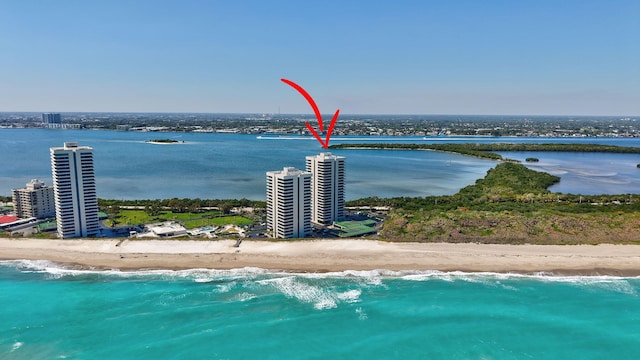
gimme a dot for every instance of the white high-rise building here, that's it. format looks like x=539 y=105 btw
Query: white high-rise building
x=34 y=200
x=288 y=203
x=74 y=187
x=327 y=188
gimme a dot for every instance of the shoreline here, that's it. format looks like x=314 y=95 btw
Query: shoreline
x=322 y=256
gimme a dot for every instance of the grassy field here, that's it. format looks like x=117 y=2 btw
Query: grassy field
x=188 y=219
x=217 y=221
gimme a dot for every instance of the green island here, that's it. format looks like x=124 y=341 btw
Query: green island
x=488 y=150
x=162 y=141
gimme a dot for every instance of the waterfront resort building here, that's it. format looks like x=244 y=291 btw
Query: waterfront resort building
x=52 y=120
x=327 y=188
x=34 y=200
x=74 y=188
x=288 y=203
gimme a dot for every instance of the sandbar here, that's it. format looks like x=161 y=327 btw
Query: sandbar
x=328 y=255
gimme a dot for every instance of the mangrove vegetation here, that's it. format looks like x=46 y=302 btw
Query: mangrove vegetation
x=511 y=204
x=488 y=150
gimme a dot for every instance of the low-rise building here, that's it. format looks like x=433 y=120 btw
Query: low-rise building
x=34 y=200
x=166 y=229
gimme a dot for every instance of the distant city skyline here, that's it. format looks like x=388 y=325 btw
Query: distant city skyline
x=377 y=57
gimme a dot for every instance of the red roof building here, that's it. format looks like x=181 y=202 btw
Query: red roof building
x=5 y=219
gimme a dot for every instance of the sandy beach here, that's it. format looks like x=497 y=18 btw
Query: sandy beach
x=329 y=255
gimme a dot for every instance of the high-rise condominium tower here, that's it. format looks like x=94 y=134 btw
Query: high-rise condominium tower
x=52 y=119
x=288 y=203
x=327 y=188
x=74 y=188
x=34 y=200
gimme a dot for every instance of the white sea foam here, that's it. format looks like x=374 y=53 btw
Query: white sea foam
x=291 y=287
x=44 y=266
x=373 y=277
x=362 y=315
x=225 y=288
x=319 y=296
x=28 y=264
x=245 y=296
x=350 y=296
x=199 y=274
x=483 y=277
x=16 y=345
x=611 y=283
x=367 y=277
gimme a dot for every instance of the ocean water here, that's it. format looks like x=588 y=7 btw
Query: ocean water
x=48 y=312
x=223 y=166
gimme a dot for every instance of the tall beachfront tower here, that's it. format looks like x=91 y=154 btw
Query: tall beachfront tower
x=327 y=188
x=74 y=188
x=288 y=203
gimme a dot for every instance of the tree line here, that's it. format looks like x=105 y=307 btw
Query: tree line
x=509 y=187
x=487 y=150
x=153 y=207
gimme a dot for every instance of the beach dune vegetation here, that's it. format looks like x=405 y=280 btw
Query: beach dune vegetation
x=512 y=204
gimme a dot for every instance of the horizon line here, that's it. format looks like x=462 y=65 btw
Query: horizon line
x=309 y=114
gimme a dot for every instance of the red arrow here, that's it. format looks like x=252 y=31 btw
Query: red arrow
x=316 y=111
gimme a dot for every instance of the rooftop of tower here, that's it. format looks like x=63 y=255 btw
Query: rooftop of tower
x=288 y=171
x=326 y=155
x=71 y=145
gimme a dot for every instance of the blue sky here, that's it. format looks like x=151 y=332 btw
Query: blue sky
x=559 y=57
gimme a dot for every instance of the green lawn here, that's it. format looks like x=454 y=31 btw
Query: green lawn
x=189 y=220
x=134 y=217
x=223 y=220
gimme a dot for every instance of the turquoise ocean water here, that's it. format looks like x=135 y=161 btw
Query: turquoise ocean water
x=52 y=313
